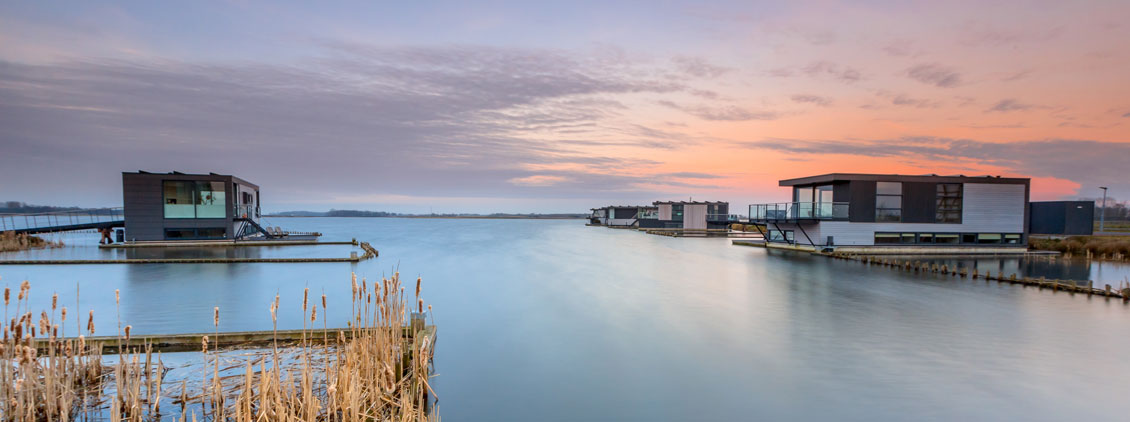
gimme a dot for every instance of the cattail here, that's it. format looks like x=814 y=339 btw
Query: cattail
x=54 y=301
x=418 y=286
x=305 y=295
x=117 y=297
x=23 y=290
x=7 y=295
x=314 y=314
x=216 y=316
x=421 y=307
x=204 y=344
x=323 y=301
x=90 y=323
x=354 y=277
x=64 y=311
x=128 y=328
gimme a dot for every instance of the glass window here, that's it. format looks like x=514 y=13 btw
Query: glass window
x=888 y=202
x=989 y=238
x=969 y=238
x=908 y=238
x=180 y=233
x=210 y=200
x=925 y=238
x=804 y=195
x=888 y=215
x=178 y=199
x=888 y=188
x=948 y=204
x=824 y=193
x=887 y=238
x=210 y=233
x=677 y=212
x=947 y=238
x=778 y=236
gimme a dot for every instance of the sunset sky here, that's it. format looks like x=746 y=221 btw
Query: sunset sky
x=525 y=107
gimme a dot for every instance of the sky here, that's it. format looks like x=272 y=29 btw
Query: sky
x=534 y=107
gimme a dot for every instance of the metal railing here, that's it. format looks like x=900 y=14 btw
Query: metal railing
x=782 y=211
x=723 y=217
x=60 y=218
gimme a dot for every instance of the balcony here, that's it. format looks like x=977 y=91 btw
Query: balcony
x=799 y=211
x=723 y=218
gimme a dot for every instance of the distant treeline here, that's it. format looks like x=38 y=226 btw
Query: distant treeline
x=360 y=213
x=16 y=207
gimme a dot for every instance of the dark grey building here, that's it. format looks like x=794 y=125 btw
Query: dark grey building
x=179 y=206
x=1062 y=217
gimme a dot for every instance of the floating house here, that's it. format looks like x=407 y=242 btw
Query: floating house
x=689 y=215
x=889 y=212
x=622 y=216
x=177 y=206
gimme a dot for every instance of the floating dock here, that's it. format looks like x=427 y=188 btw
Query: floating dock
x=370 y=253
x=224 y=340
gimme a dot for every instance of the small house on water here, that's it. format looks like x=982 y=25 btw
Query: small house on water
x=890 y=212
x=177 y=206
x=690 y=215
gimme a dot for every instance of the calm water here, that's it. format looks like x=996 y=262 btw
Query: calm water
x=552 y=320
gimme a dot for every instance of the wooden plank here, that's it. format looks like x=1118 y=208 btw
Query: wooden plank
x=232 y=339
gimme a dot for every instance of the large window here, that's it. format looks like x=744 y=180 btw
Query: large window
x=210 y=200
x=948 y=203
x=199 y=233
x=677 y=212
x=179 y=200
x=186 y=199
x=888 y=202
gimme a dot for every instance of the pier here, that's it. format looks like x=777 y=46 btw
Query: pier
x=167 y=343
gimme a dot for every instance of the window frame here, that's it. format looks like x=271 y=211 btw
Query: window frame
x=884 y=214
x=942 y=195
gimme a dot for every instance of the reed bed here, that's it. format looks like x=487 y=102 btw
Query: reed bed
x=12 y=241
x=379 y=372
x=1103 y=247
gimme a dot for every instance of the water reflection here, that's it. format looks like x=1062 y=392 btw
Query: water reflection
x=551 y=320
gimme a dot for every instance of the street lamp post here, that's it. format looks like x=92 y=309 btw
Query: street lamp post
x=1102 y=212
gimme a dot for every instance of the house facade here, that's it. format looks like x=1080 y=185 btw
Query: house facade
x=178 y=206
x=875 y=211
x=691 y=215
x=622 y=215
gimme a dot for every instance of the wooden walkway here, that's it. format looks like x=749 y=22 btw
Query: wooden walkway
x=224 y=340
x=223 y=244
x=171 y=261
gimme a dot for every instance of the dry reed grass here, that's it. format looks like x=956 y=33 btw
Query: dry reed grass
x=1107 y=247
x=12 y=241
x=378 y=374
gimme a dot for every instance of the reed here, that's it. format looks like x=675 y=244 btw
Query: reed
x=380 y=373
x=12 y=241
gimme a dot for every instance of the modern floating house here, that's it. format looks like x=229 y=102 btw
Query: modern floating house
x=888 y=212
x=623 y=216
x=177 y=206
x=690 y=215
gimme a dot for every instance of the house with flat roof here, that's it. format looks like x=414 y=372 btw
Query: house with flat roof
x=621 y=215
x=177 y=206
x=874 y=212
x=690 y=215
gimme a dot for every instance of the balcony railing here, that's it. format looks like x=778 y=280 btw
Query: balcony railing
x=723 y=217
x=786 y=211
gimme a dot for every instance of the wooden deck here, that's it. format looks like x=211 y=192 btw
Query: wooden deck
x=223 y=340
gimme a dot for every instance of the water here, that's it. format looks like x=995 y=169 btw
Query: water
x=552 y=320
